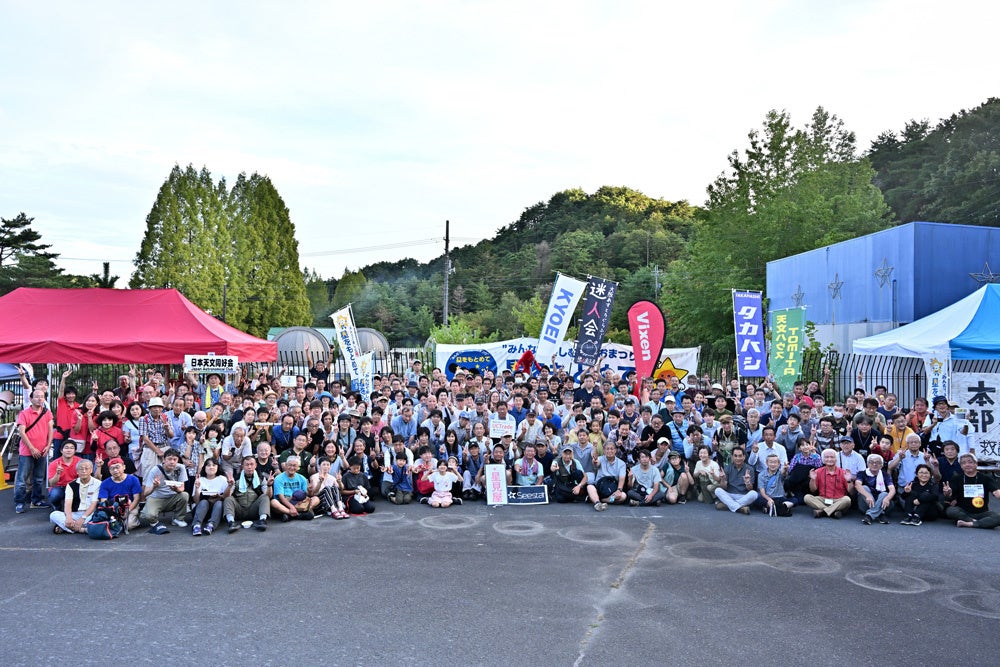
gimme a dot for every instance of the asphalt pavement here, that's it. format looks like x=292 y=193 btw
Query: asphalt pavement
x=472 y=585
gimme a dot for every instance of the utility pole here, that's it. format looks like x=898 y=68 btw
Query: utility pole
x=447 y=272
x=656 y=282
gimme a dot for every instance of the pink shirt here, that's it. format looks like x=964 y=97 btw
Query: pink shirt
x=38 y=435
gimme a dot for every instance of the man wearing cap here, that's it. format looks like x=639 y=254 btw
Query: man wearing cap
x=413 y=374
x=529 y=432
x=848 y=459
x=947 y=426
x=569 y=483
x=677 y=429
x=967 y=496
x=118 y=484
x=209 y=393
x=829 y=484
x=461 y=427
x=154 y=433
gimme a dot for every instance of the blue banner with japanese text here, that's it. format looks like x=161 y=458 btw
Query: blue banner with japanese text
x=748 y=318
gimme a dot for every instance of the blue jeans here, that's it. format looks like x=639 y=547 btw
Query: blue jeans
x=57 y=497
x=874 y=511
x=36 y=468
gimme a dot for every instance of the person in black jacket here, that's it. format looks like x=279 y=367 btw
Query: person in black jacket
x=921 y=498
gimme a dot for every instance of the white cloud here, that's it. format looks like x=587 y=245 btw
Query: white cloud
x=377 y=121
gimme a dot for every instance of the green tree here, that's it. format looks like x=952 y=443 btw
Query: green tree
x=187 y=244
x=232 y=253
x=269 y=277
x=791 y=191
x=349 y=289
x=104 y=278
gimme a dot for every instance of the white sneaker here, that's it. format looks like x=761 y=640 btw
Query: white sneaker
x=600 y=507
x=180 y=523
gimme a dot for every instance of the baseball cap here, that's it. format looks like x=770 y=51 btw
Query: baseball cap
x=567 y=448
x=666 y=440
x=117 y=461
x=298 y=496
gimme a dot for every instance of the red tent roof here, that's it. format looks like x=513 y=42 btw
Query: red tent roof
x=98 y=326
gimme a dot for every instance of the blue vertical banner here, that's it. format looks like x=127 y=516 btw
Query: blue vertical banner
x=597 y=303
x=748 y=318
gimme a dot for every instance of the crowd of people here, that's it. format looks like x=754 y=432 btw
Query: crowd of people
x=201 y=454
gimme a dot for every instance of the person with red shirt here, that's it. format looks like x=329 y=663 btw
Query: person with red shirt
x=62 y=471
x=829 y=484
x=35 y=426
x=107 y=429
x=66 y=414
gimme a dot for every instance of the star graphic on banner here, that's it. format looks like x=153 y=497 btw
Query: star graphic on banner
x=666 y=369
x=798 y=296
x=835 y=286
x=883 y=273
x=986 y=277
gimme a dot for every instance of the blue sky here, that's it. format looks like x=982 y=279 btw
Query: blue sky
x=378 y=121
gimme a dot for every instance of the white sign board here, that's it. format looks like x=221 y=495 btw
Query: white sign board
x=495 y=484
x=499 y=429
x=978 y=395
x=211 y=363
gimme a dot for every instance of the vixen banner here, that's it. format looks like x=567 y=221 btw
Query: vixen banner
x=645 y=323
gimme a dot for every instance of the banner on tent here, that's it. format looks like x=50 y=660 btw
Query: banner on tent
x=786 y=342
x=977 y=395
x=748 y=320
x=938 y=371
x=502 y=355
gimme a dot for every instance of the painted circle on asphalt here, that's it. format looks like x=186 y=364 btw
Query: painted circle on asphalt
x=383 y=519
x=519 y=528
x=593 y=535
x=799 y=562
x=888 y=581
x=444 y=522
x=985 y=604
x=714 y=553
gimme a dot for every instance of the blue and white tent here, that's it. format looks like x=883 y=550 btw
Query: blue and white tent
x=967 y=329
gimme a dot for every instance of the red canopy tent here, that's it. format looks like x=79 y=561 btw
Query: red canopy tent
x=103 y=326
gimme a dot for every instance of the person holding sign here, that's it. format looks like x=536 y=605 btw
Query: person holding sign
x=502 y=423
x=968 y=496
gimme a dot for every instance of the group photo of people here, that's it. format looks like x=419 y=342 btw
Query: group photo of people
x=209 y=453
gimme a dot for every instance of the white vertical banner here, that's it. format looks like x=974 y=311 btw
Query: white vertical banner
x=495 y=485
x=938 y=369
x=978 y=398
x=347 y=339
x=566 y=293
x=365 y=381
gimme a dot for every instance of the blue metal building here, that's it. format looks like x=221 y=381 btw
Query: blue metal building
x=872 y=283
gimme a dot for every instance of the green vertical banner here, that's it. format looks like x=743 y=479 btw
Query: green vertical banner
x=787 y=341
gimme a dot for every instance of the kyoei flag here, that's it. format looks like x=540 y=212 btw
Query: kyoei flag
x=566 y=294
x=645 y=323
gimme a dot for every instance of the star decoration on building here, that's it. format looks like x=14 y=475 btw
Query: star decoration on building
x=835 y=286
x=986 y=277
x=883 y=273
x=798 y=297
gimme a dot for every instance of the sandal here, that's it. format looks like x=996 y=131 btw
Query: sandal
x=57 y=530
